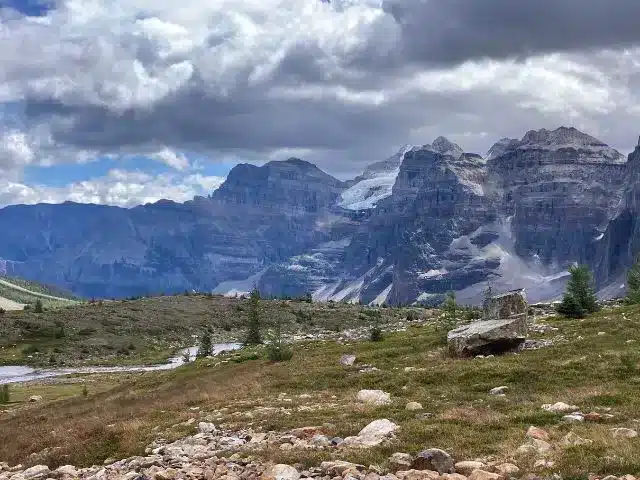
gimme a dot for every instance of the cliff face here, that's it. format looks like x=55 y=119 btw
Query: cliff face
x=425 y=221
x=260 y=216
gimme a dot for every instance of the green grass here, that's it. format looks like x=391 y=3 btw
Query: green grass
x=36 y=292
x=103 y=332
x=595 y=372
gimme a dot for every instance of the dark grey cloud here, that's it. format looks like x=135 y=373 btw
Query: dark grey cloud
x=344 y=93
x=453 y=31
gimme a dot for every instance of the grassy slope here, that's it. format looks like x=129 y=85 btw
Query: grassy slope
x=151 y=329
x=50 y=297
x=593 y=372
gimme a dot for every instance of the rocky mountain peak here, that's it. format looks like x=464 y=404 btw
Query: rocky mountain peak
x=445 y=146
x=569 y=136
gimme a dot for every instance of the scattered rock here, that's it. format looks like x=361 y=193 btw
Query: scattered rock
x=559 y=407
x=68 y=470
x=573 y=440
x=434 y=459
x=488 y=337
x=507 y=469
x=593 y=417
x=374 y=397
x=467 y=467
x=535 y=446
x=498 y=390
x=282 y=472
x=483 y=475
x=573 y=418
x=418 y=475
x=35 y=398
x=413 y=406
x=401 y=460
x=372 y=435
x=347 y=360
x=338 y=467
x=537 y=433
x=38 y=471
x=204 y=427
x=624 y=433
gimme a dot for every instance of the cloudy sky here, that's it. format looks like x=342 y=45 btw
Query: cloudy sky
x=128 y=101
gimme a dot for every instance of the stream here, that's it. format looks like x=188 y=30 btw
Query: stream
x=15 y=374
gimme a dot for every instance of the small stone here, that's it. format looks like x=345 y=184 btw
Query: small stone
x=38 y=471
x=624 y=433
x=610 y=477
x=600 y=334
x=467 y=467
x=401 y=460
x=413 y=406
x=131 y=476
x=347 y=360
x=418 y=475
x=498 y=390
x=535 y=447
x=204 y=427
x=573 y=440
x=537 y=433
x=507 y=469
x=573 y=418
x=543 y=464
x=434 y=459
x=559 y=407
x=372 y=435
x=374 y=397
x=593 y=417
x=453 y=476
x=337 y=467
x=282 y=472
x=69 y=470
x=35 y=398
x=483 y=475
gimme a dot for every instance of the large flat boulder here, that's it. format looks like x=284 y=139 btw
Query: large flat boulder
x=489 y=337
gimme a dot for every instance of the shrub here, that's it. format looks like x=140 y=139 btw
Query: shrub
x=580 y=298
x=37 y=307
x=279 y=353
x=376 y=334
x=85 y=391
x=412 y=316
x=30 y=350
x=2 y=311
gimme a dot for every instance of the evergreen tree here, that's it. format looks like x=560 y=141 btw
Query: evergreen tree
x=450 y=307
x=205 y=347
x=254 y=335
x=277 y=349
x=580 y=298
x=5 y=396
x=633 y=284
x=38 y=307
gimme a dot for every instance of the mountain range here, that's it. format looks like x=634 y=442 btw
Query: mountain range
x=427 y=220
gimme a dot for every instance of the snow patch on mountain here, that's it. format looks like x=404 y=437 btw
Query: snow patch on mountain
x=375 y=184
x=233 y=288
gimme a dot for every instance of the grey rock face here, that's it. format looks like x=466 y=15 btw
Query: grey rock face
x=427 y=220
x=488 y=337
x=507 y=305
